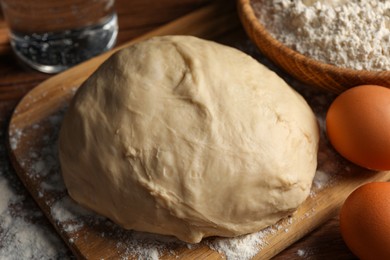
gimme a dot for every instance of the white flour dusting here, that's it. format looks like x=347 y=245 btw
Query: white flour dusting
x=320 y=179
x=24 y=231
x=243 y=247
x=16 y=134
x=301 y=253
x=68 y=214
x=352 y=34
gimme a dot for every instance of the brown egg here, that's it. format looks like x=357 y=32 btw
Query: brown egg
x=365 y=221
x=358 y=126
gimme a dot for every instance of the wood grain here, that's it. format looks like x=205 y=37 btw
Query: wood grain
x=48 y=98
x=303 y=68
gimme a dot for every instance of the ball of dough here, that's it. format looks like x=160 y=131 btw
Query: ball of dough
x=186 y=137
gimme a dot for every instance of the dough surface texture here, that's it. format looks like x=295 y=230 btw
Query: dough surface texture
x=186 y=137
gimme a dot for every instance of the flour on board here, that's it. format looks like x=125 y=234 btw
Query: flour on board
x=42 y=164
x=24 y=232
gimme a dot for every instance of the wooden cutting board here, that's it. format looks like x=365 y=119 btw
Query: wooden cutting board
x=33 y=131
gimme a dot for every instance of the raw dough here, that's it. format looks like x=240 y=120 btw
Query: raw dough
x=186 y=137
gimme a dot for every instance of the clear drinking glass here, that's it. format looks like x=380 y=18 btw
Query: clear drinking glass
x=53 y=35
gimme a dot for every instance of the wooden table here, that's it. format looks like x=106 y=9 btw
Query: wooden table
x=135 y=18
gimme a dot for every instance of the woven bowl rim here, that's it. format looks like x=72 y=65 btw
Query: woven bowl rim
x=260 y=31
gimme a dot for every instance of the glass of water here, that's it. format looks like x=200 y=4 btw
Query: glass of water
x=53 y=35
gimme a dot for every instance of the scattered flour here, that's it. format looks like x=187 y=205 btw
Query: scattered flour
x=301 y=253
x=352 y=34
x=39 y=166
x=29 y=241
x=24 y=231
x=14 y=139
x=243 y=247
x=67 y=213
x=321 y=179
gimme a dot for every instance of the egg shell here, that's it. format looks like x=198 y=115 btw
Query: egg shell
x=358 y=126
x=365 y=221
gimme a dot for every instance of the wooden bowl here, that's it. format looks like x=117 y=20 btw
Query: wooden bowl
x=307 y=70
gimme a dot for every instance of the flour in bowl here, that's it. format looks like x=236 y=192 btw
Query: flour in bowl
x=351 y=34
